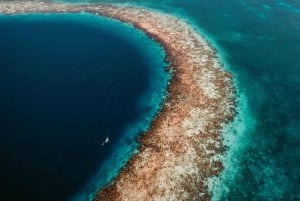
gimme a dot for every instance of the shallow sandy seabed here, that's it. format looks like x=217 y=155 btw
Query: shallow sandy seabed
x=182 y=147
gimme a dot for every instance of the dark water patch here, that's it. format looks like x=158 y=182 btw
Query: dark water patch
x=66 y=81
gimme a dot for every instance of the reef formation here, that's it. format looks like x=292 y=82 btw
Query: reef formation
x=181 y=150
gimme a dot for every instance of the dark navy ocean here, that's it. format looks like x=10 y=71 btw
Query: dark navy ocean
x=66 y=83
x=97 y=76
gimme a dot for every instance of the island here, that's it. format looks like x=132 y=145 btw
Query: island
x=181 y=150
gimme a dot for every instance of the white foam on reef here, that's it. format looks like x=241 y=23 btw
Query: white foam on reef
x=197 y=121
x=236 y=133
x=235 y=138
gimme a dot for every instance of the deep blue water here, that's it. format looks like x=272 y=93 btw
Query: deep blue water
x=259 y=42
x=66 y=81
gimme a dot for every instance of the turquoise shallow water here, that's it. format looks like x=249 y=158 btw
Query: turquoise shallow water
x=259 y=43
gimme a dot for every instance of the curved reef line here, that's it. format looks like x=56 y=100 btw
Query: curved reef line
x=182 y=147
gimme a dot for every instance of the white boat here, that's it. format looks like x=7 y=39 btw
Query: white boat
x=105 y=141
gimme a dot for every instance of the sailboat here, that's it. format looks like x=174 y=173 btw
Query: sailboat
x=105 y=141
